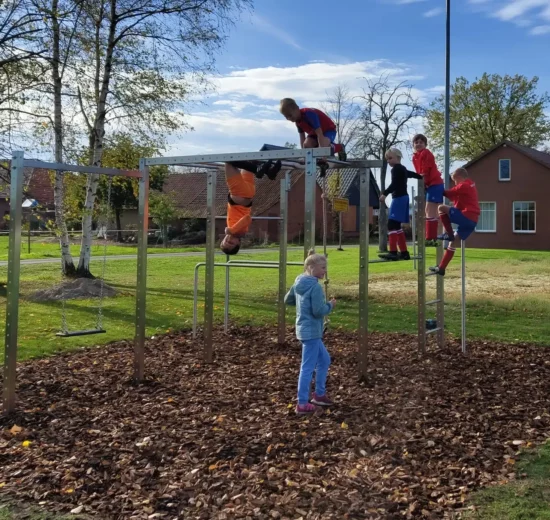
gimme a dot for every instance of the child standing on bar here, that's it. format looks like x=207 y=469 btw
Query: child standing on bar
x=311 y=307
x=316 y=129
x=424 y=164
x=239 y=176
x=465 y=213
x=399 y=209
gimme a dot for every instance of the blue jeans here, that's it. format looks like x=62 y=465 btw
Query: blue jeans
x=315 y=357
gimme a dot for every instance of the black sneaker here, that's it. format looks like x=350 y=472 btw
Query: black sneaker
x=272 y=171
x=404 y=255
x=248 y=166
x=446 y=237
x=323 y=168
x=431 y=243
x=437 y=270
x=391 y=256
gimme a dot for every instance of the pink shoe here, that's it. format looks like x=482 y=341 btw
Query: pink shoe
x=321 y=400
x=305 y=409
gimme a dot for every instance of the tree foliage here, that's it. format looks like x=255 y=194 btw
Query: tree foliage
x=163 y=210
x=491 y=109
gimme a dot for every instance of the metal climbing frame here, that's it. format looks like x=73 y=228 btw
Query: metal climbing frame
x=304 y=158
x=18 y=164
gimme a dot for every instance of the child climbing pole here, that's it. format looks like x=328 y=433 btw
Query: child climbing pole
x=399 y=209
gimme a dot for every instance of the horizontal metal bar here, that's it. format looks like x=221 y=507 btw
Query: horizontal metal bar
x=431 y=331
x=80 y=333
x=432 y=302
x=228 y=157
x=273 y=262
x=430 y=274
x=259 y=266
x=61 y=167
x=382 y=261
x=223 y=217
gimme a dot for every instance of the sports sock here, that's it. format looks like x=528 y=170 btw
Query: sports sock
x=446 y=221
x=401 y=241
x=447 y=257
x=393 y=241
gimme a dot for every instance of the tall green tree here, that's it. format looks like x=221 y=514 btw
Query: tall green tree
x=140 y=59
x=491 y=109
x=124 y=151
x=163 y=210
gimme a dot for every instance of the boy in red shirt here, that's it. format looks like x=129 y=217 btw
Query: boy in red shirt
x=316 y=129
x=465 y=213
x=424 y=164
x=239 y=176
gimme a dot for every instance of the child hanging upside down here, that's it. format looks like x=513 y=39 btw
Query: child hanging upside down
x=424 y=164
x=399 y=209
x=465 y=213
x=239 y=176
x=316 y=129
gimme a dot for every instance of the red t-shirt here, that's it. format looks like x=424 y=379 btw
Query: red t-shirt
x=424 y=164
x=464 y=196
x=312 y=119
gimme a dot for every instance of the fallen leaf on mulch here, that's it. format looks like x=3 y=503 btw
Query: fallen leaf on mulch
x=222 y=441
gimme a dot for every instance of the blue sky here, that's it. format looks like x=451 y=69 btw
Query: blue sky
x=300 y=49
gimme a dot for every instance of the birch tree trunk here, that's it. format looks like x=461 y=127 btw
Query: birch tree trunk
x=102 y=81
x=67 y=263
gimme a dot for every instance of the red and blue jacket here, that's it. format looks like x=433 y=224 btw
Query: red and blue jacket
x=312 y=119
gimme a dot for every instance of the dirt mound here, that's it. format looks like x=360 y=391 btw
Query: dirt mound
x=81 y=288
x=221 y=441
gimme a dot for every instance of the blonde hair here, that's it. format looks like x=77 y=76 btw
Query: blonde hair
x=287 y=104
x=462 y=171
x=394 y=151
x=313 y=259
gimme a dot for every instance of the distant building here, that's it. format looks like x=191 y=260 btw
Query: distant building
x=513 y=182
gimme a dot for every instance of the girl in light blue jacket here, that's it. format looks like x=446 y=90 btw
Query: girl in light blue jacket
x=311 y=308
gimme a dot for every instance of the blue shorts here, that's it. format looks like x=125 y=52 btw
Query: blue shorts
x=399 y=209
x=331 y=134
x=465 y=226
x=435 y=193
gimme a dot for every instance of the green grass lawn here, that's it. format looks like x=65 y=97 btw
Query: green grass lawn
x=525 y=499
x=517 y=310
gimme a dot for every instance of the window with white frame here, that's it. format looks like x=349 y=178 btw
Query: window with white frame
x=524 y=217
x=504 y=169
x=487 y=222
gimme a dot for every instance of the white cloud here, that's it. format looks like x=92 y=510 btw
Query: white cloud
x=540 y=30
x=243 y=114
x=433 y=12
x=308 y=82
x=523 y=13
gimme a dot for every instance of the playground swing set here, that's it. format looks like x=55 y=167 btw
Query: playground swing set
x=306 y=159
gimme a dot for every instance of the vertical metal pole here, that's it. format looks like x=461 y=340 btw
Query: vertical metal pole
x=209 y=275
x=364 y=188
x=12 y=288
x=141 y=286
x=463 y=295
x=195 y=299
x=283 y=238
x=226 y=301
x=310 y=202
x=447 y=173
x=440 y=296
x=29 y=239
x=421 y=238
x=413 y=226
x=340 y=231
x=325 y=229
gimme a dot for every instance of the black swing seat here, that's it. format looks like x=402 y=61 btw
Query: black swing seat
x=87 y=332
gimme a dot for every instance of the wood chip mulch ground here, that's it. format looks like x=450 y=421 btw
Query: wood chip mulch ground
x=222 y=441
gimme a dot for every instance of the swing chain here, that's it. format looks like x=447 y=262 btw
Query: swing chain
x=99 y=322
